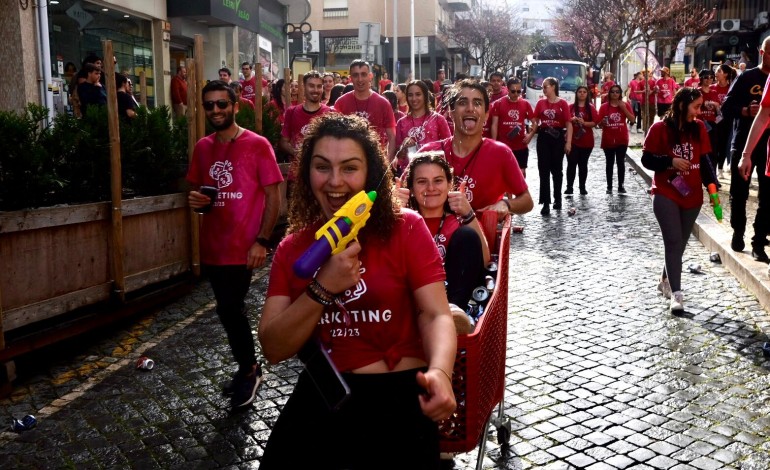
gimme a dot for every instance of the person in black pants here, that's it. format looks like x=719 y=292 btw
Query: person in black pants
x=742 y=105
x=553 y=123
x=583 y=114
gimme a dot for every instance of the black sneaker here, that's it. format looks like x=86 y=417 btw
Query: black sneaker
x=737 y=243
x=609 y=190
x=622 y=190
x=557 y=205
x=758 y=253
x=568 y=192
x=245 y=387
x=583 y=191
x=545 y=210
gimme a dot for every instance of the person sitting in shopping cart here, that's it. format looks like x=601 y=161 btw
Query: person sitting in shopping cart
x=378 y=308
x=452 y=223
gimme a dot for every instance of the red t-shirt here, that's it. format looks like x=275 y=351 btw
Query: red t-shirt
x=721 y=92
x=615 y=132
x=489 y=171
x=606 y=89
x=249 y=89
x=442 y=237
x=706 y=113
x=586 y=141
x=384 y=83
x=242 y=104
x=652 y=95
x=178 y=90
x=376 y=109
x=552 y=114
x=509 y=115
x=633 y=90
x=692 y=82
x=666 y=89
x=382 y=309
x=241 y=170
x=424 y=130
x=658 y=142
x=496 y=96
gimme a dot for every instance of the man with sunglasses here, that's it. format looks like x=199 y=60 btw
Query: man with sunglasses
x=235 y=233
x=509 y=116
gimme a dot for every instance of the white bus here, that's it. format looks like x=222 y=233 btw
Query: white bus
x=570 y=74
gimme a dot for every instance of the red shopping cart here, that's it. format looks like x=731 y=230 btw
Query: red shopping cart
x=479 y=371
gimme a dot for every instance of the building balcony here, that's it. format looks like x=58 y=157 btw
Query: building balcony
x=458 y=5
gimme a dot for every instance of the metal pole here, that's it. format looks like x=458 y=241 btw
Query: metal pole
x=395 y=41
x=411 y=34
x=419 y=54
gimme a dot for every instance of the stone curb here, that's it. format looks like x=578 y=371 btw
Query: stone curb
x=716 y=237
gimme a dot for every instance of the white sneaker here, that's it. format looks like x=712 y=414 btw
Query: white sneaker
x=677 y=302
x=665 y=288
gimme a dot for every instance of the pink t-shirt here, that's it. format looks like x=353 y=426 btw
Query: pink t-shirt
x=553 y=115
x=375 y=109
x=249 y=89
x=615 y=131
x=666 y=89
x=692 y=82
x=381 y=307
x=424 y=130
x=658 y=142
x=511 y=114
x=585 y=141
x=241 y=170
x=706 y=113
x=489 y=171
x=295 y=121
x=442 y=236
x=650 y=84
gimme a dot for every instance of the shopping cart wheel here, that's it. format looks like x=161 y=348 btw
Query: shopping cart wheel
x=503 y=435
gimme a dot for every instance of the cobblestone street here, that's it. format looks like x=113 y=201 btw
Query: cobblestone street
x=599 y=374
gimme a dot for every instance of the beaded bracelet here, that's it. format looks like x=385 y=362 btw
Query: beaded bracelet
x=312 y=292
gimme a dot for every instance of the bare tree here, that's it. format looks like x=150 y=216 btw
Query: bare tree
x=491 y=35
x=605 y=27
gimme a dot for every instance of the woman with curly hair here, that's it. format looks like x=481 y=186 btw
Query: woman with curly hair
x=378 y=308
x=677 y=149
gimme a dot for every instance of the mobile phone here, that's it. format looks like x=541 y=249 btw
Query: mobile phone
x=680 y=184
x=212 y=193
x=324 y=374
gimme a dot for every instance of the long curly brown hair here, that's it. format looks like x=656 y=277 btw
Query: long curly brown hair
x=304 y=209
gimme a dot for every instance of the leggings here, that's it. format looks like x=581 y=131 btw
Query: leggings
x=381 y=426
x=550 y=155
x=675 y=226
x=230 y=285
x=578 y=158
x=464 y=265
x=616 y=156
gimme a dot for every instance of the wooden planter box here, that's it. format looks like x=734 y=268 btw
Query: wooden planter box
x=57 y=259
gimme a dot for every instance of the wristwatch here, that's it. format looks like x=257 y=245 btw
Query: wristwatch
x=264 y=242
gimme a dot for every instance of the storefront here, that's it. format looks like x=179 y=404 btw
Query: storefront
x=78 y=27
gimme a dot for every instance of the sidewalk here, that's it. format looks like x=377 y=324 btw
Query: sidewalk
x=716 y=237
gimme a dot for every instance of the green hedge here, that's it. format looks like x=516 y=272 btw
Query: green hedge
x=68 y=162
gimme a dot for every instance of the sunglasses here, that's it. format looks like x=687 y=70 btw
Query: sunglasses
x=515 y=92
x=221 y=104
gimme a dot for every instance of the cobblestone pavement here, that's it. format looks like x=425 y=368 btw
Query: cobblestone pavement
x=599 y=374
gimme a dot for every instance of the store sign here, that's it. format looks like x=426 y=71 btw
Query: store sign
x=235 y=5
x=77 y=13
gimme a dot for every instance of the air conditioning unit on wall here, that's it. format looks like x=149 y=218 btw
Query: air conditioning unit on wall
x=731 y=25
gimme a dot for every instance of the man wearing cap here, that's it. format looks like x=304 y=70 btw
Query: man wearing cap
x=666 y=88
